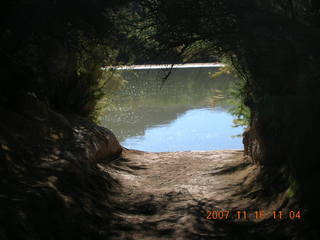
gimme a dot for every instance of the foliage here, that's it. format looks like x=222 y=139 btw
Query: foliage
x=236 y=95
x=274 y=48
x=55 y=49
x=111 y=81
x=293 y=187
x=199 y=51
x=241 y=111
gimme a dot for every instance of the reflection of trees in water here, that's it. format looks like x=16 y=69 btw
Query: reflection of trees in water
x=128 y=122
x=145 y=102
x=184 y=86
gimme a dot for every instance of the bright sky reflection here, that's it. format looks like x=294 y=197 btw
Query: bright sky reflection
x=196 y=129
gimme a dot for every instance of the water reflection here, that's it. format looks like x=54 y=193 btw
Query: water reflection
x=176 y=116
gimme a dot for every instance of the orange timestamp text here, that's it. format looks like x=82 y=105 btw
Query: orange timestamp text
x=258 y=214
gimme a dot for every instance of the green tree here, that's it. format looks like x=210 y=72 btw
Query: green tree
x=274 y=48
x=55 y=50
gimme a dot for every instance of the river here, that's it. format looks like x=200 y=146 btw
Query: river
x=178 y=115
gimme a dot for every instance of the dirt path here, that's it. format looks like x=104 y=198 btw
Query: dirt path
x=168 y=196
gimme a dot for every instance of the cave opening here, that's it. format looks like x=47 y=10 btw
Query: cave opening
x=192 y=110
x=65 y=177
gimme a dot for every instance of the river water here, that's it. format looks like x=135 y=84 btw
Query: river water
x=186 y=112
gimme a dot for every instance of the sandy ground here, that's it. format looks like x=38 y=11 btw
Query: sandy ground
x=170 y=196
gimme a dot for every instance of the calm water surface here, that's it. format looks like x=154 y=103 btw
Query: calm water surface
x=181 y=114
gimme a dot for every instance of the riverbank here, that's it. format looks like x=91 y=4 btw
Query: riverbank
x=166 y=66
x=168 y=196
x=64 y=177
x=52 y=184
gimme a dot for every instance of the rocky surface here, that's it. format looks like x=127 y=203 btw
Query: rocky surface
x=53 y=184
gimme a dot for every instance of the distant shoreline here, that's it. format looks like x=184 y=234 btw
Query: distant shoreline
x=166 y=66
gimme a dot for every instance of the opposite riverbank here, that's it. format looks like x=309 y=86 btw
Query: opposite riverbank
x=166 y=66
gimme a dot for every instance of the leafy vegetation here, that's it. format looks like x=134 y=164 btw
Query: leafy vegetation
x=236 y=95
x=274 y=48
x=55 y=50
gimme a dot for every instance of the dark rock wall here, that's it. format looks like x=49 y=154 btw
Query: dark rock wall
x=284 y=79
x=54 y=183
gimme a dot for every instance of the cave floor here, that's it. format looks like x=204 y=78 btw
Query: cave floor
x=170 y=196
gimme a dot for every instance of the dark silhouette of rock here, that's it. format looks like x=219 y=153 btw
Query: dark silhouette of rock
x=54 y=179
